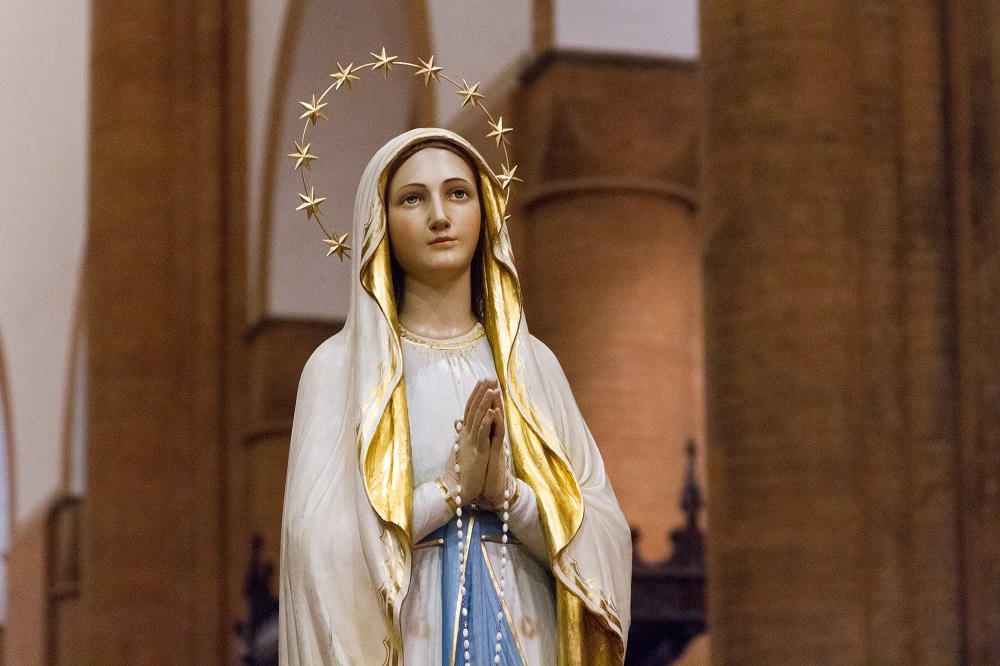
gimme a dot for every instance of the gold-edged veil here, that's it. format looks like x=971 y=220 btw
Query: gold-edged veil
x=349 y=491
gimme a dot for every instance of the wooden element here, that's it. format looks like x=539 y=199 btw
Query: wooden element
x=668 y=597
x=258 y=634
x=62 y=581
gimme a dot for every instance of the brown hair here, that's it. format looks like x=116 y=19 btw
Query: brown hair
x=398 y=276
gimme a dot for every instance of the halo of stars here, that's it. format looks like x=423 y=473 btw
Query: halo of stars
x=342 y=78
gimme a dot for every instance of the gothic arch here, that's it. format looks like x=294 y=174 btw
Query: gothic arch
x=74 y=407
x=6 y=479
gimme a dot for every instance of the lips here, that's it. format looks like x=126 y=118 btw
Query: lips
x=441 y=239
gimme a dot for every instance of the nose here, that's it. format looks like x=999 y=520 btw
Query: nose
x=438 y=215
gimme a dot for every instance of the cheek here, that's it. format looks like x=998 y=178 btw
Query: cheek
x=471 y=220
x=402 y=236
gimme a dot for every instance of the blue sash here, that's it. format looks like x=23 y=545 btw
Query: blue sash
x=482 y=585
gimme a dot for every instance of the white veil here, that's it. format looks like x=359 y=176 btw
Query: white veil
x=345 y=550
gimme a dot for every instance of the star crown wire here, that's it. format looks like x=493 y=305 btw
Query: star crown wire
x=310 y=203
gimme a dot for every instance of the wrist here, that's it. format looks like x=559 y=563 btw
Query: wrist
x=508 y=493
x=446 y=491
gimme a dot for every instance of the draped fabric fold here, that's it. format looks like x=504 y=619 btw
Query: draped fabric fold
x=346 y=535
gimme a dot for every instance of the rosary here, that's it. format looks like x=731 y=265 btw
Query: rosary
x=464 y=554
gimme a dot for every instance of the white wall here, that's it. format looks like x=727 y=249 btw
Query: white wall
x=476 y=40
x=667 y=28
x=304 y=281
x=44 y=76
x=266 y=24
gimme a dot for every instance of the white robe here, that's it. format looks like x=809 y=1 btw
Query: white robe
x=440 y=376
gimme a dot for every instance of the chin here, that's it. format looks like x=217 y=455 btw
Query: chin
x=445 y=264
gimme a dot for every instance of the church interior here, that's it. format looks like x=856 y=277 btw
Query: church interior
x=762 y=238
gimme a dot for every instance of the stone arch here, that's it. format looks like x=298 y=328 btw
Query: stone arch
x=75 y=405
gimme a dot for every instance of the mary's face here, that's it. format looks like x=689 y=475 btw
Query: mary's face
x=434 y=216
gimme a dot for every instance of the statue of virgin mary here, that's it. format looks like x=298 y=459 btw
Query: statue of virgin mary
x=375 y=557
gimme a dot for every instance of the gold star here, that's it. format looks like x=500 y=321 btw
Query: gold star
x=428 y=70
x=469 y=95
x=344 y=75
x=384 y=62
x=310 y=203
x=508 y=176
x=314 y=111
x=499 y=130
x=302 y=157
x=339 y=245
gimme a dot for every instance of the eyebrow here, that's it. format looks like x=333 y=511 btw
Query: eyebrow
x=450 y=180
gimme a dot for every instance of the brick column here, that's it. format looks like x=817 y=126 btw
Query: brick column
x=610 y=256
x=974 y=71
x=152 y=588
x=830 y=335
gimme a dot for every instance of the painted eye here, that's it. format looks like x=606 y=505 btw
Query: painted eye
x=460 y=194
x=411 y=199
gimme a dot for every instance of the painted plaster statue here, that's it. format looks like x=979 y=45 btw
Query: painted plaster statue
x=445 y=501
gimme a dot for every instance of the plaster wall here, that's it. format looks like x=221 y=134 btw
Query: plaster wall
x=646 y=27
x=265 y=25
x=44 y=55
x=476 y=40
x=302 y=281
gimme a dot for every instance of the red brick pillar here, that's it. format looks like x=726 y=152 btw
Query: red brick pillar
x=830 y=335
x=974 y=74
x=153 y=550
x=611 y=263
